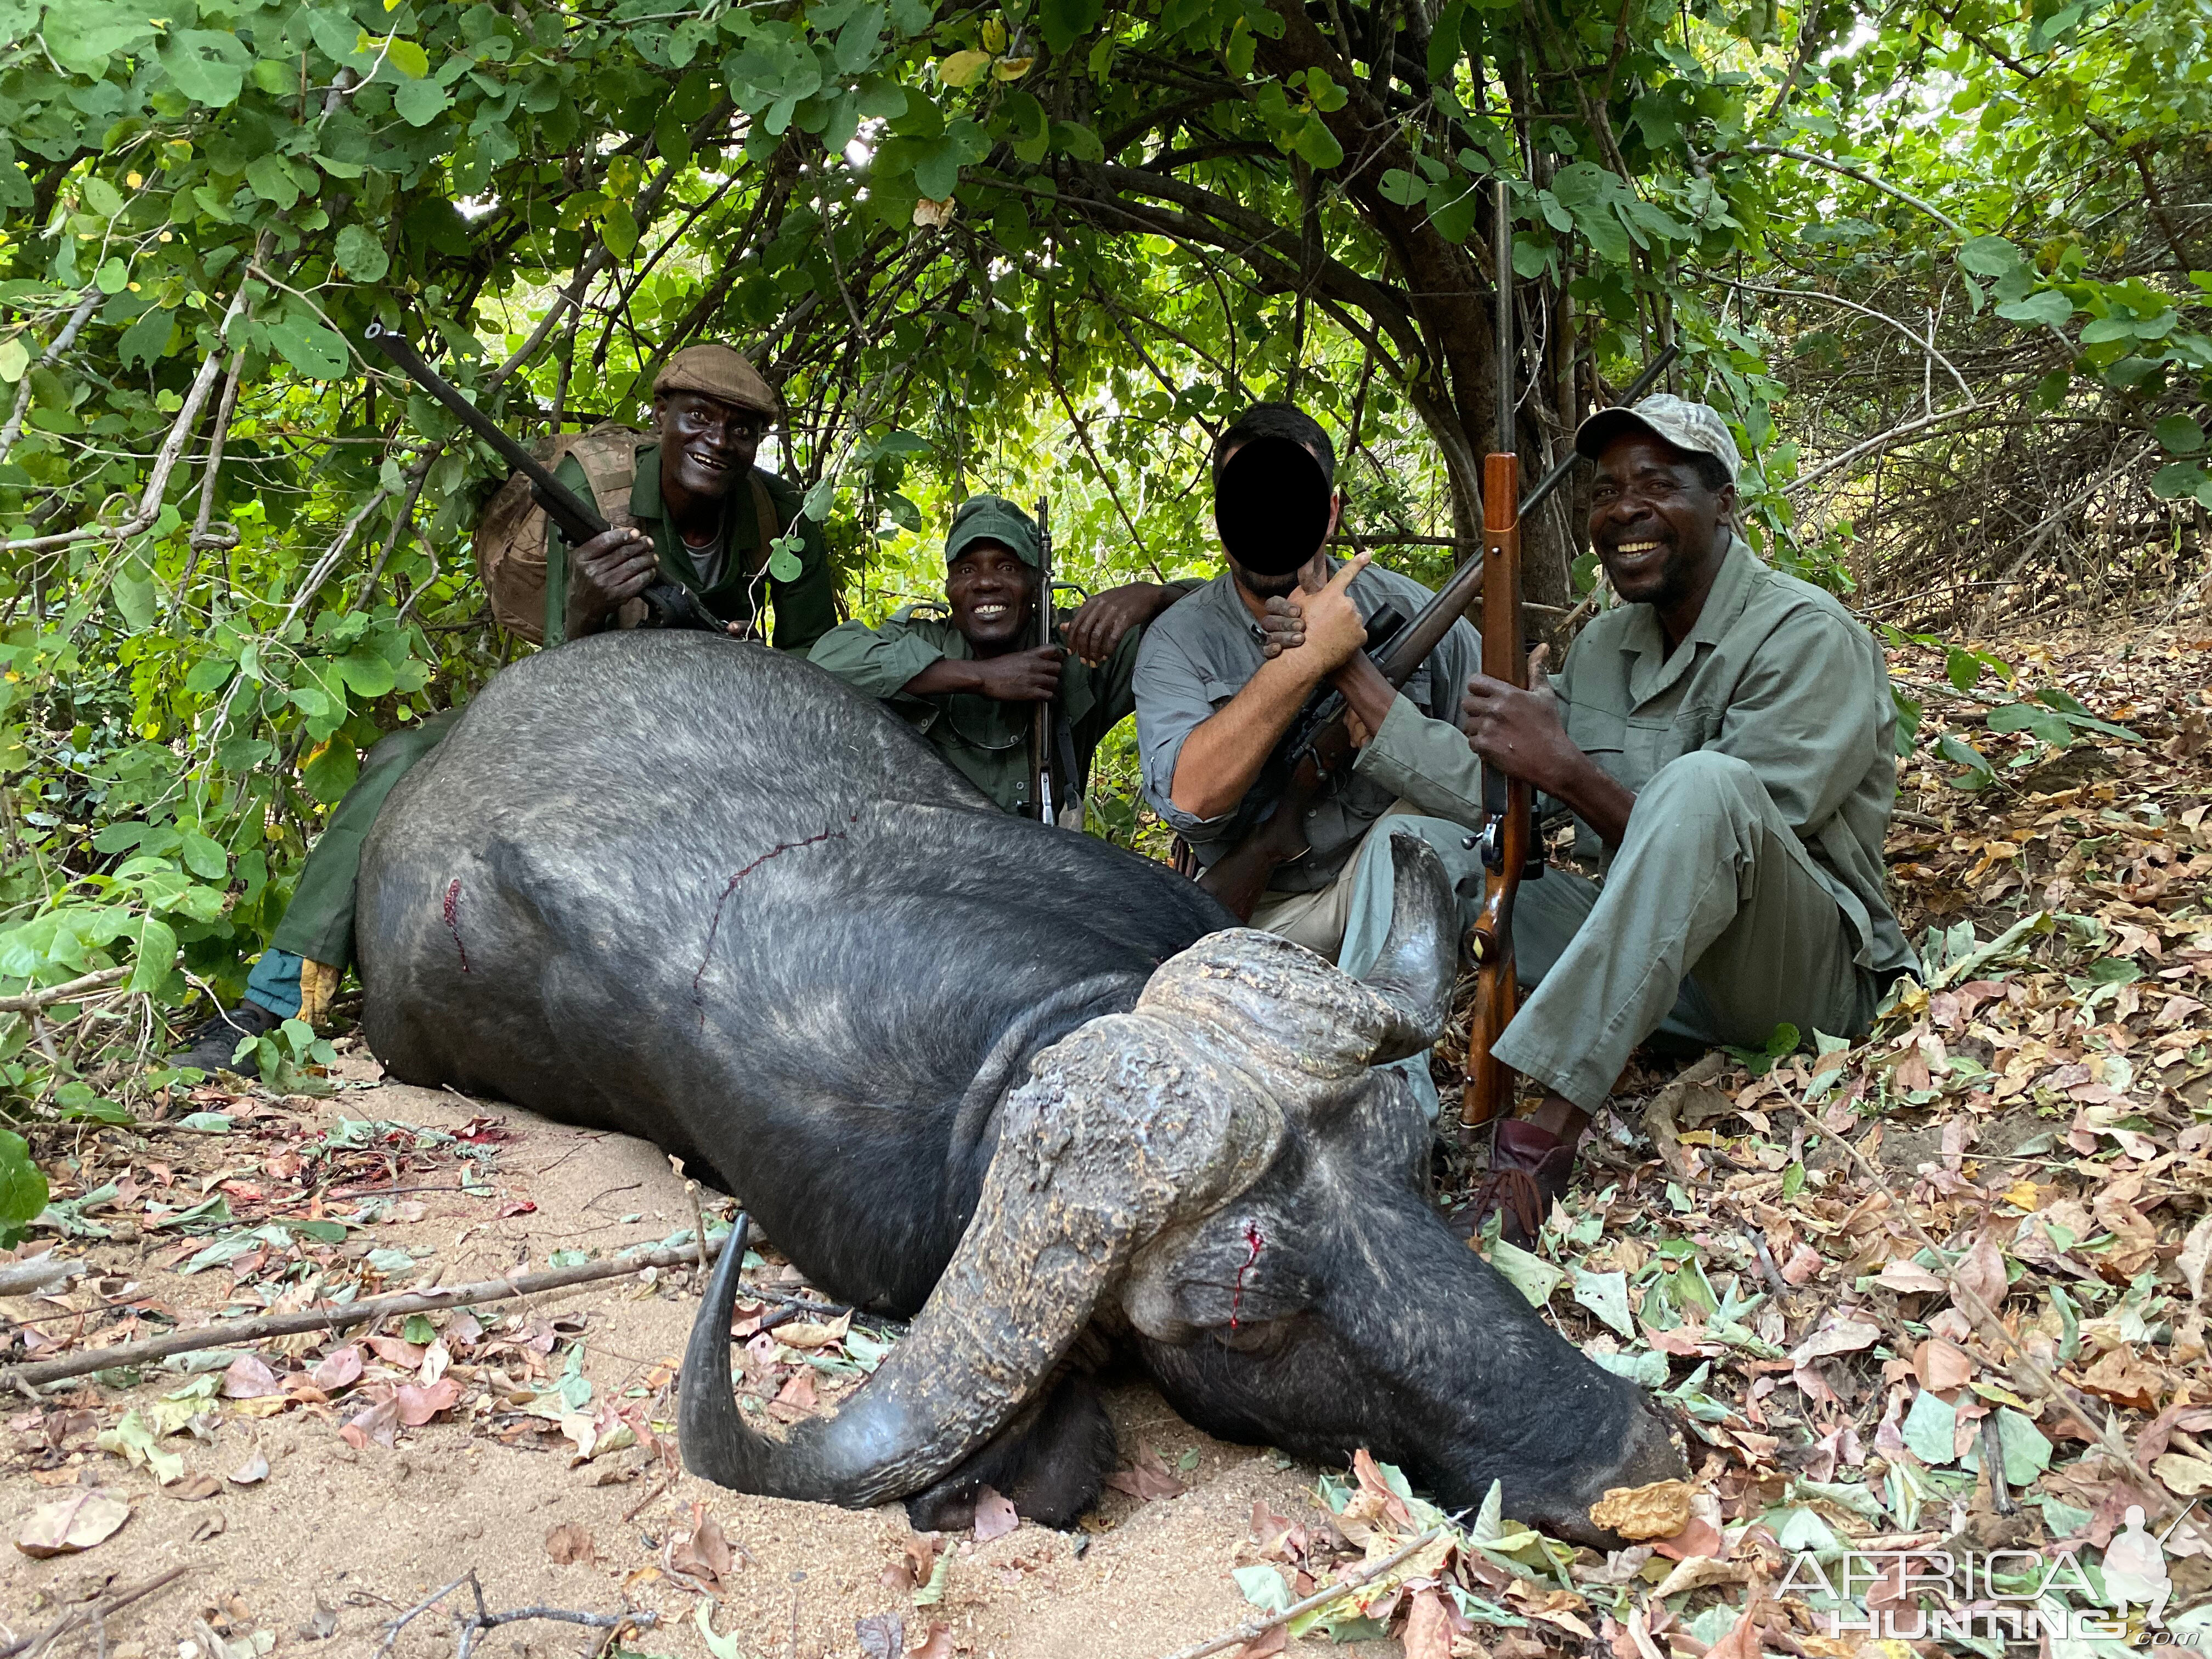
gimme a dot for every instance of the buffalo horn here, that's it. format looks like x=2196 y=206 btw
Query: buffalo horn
x=1122 y=1130
x=1415 y=972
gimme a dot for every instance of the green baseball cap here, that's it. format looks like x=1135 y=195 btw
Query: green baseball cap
x=993 y=519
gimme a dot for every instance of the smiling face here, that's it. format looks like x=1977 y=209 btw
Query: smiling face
x=1656 y=523
x=991 y=593
x=707 y=445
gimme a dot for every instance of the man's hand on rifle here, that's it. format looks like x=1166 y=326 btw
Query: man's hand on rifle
x=1031 y=676
x=1094 y=631
x=607 y=571
x=1519 y=733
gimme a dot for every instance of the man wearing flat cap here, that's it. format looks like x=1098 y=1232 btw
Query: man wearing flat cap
x=690 y=502
x=967 y=677
x=685 y=500
x=1723 y=737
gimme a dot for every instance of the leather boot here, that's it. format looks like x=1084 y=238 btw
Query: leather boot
x=1528 y=1169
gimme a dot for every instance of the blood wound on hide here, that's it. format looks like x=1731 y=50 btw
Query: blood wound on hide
x=1253 y=1241
x=714 y=923
x=454 y=919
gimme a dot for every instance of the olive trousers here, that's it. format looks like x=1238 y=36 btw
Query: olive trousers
x=1711 y=927
x=318 y=924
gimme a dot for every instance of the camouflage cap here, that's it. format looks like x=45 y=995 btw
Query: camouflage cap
x=993 y=519
x=1697 y=428
x=715 y=371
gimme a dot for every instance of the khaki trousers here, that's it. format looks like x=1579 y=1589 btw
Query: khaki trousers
x=1712 y=927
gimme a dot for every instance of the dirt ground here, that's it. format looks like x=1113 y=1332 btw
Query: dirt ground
x=364 y=1533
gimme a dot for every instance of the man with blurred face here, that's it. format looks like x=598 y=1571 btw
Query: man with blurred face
x=1724 y=740
x=695 y=510
x=1221 y=677
x=968 y=677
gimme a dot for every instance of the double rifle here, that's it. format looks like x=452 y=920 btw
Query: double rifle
x=1316 y=752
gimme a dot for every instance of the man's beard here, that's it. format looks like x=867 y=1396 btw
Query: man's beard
x=1264 y=588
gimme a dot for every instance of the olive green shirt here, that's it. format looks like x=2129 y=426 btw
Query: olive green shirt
x=805 y=607
x=1777 y=673
x=986 y=738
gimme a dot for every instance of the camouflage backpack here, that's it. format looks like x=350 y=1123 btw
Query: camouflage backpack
x=511 y=531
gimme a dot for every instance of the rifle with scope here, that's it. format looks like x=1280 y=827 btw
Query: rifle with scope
x=1265 y=499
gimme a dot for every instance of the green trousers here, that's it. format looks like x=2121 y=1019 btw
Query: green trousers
x=1712 y=927
x=318 y=924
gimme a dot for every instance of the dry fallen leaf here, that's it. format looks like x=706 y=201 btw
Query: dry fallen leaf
x=1146 y=1478
x=1941 y=1366
x=994 y=1516
x=417 y=1405
x=1428 y=1631
x=71 y=1524
x=2185 y=1476
x=336 y=1370
x=250 y=1378
x=1908 y=1277
x=568 y=1543
x=254 y=1469
x=938 y=1645
x=705 y=1552
x=883 y=1635
x=1274 y=1641
x=1659 y=1509
x=193 y=1488
x=1695 y=1573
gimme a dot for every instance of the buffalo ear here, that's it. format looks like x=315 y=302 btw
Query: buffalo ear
x=1415 y=972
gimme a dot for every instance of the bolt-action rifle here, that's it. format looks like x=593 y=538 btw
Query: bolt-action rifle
x=673 y=605
x=1316 y=752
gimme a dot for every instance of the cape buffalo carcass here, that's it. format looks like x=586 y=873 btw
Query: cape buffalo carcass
x=1036 y=1091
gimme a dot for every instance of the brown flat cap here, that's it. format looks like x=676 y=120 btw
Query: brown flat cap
x=715 y=371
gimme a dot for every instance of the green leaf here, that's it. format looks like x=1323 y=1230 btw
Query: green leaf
x=361 y=256
x=1065 y=22
x=1263 y=1586
x=1962 y=668
x=1989 y=256
x=2180 y=435
x=1403 y=188
x=132 y=591
x=316 y=351
x=22 y=1188
x=272 y=181
x=418 y=103
x=1606 y=1295
x=112 y=277
x=147 y=339
x=2049 y=306
x=1929 y=1427
x=2027 y=1453
x=332 y=772
x=157 y=954
x=1317 y=143
x=208 y=65
x=1531 y=1275
x=409 y=58
x=1980 y=773
x=2177 y=479
x=1073 y=138
x=205 y=857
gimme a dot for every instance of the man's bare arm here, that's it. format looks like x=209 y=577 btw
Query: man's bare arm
x=1222 y=757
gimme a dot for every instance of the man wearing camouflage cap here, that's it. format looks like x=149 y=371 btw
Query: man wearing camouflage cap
x=1723 y=737
x=700 y=513
x=967 y=676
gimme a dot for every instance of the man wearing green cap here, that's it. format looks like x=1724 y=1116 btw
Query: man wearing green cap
x=966 y=676
x=685 y=500
x=1724 y=740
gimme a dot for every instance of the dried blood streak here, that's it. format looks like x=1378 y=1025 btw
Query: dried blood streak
x=454 y=919
x=1253 y=1241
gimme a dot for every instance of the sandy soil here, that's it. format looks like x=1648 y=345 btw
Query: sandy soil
x=365 y=1532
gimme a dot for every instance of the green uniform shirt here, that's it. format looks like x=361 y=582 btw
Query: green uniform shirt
x=805 y=607
x=986 y=738
x=1778 y=674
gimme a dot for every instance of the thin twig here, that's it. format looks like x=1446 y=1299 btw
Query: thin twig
x=34 y=1644
x=69 y=992
x=234 y=1331
x=1252 y=1629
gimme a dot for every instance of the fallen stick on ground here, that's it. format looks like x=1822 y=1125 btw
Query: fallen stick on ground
x=467 y=1626
x=70 y=992
x=37 y=1373
x=2024 y=1366
x=1253 y=1630
x=87 y=1613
